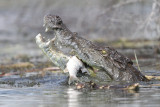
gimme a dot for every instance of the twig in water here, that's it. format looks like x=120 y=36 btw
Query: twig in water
x=136 y=60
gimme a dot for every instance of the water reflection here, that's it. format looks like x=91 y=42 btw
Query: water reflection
x=73 y=96
x=61 y=96
x=80 y=98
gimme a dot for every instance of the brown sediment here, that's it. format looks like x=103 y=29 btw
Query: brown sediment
x=91 y=85
x=17 y=66
x=22 y=67
x=152 y=77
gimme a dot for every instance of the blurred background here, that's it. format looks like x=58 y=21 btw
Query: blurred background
x=93 y=19
x=119 y=23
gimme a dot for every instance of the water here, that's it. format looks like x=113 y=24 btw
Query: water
x=34 y=90
x=62 y=96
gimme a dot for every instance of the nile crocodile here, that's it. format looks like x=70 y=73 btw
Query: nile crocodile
x=116 y=65
x=61 y=60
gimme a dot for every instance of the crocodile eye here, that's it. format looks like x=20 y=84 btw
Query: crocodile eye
x=104 y=52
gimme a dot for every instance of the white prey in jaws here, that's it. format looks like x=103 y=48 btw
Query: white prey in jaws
x=73 y=66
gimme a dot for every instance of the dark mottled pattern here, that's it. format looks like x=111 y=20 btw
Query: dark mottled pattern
x=56 y=57
x=116 y=65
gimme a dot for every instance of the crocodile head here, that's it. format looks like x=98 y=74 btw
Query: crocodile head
x=52 y=22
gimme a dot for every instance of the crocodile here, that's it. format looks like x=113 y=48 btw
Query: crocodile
x=117 y=66
x=66 y=63
x=61 y=61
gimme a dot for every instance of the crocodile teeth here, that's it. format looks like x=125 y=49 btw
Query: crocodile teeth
x=47 y=29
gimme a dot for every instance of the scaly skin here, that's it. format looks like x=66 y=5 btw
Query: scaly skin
x=117 y=66
x=68 y=64
x=59 y=59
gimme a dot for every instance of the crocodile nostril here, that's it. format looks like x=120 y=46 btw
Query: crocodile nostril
x=57 y=16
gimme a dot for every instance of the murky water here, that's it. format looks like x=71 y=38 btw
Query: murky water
x=35 y=90
x=53 y=94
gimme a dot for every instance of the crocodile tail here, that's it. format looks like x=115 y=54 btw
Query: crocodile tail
x=72 y=78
